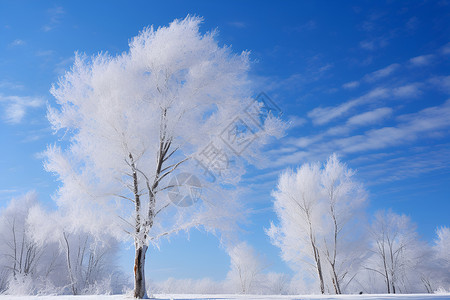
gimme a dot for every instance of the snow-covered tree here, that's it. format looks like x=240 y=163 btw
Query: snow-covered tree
x=343 y=200
x=246 y=270
x=276 y=283
x=396 y=251
x=33 y=255
x=435 y=269
x=316 y=208
x=297 y=201
x=442 y=245
x=20 y=255
x=175 y=103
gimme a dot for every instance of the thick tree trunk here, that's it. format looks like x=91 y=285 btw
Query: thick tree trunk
x=139 y=274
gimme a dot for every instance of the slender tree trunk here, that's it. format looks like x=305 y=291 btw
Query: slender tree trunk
x=319 y=270
x=317 y=259
x=69 y=266
x=337 y=288
x=387 y=277
x=139 y=274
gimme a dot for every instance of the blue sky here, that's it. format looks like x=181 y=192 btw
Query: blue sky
x=367 y=80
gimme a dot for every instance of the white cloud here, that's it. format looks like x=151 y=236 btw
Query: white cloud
x=17 y=42
x=56 y=15
x=310 y=25
x=45 y=53
x=411 y=126
x=6 y=84
x=446 y=49
x=382 y=73
x=304 y=142
x=429 y=123
x=324 y=115
x=61 y=67
x=295 y=158
x=423 y=60
x=16 y=107
x=295 y=121
x=425 y=160
x=370 y=117
x=363 y=119
x=237 y=24
x=351 y=85
x=409 y=90
x=374 y=43
x=442 y=83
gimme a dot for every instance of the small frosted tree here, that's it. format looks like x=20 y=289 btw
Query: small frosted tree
x=26 y=266
x=343 y=199
x=315 y=207
x=297 y=207
x=175 y=103
x=246 y=268
x=20 y=255
x=396 y=251
x=440 y=271
x=442 y=245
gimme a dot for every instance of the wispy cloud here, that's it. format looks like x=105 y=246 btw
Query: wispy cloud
x=17 y=42
x=370 y=117
x=61 y=66
x=56 y=14
x=409 y=90
x=424 y=160
x=374 y=43
x=237 y=24
x=357 y=121
x=323 y=115
x=382 y=73
x=432 y=123
x=15 y=107
x=296 y=121
x=351 y=85
x=45 y=53
x=6 y=84
x=310 y=25
x=410 y=127
x=442 y=83
x=422 y=60
x=445 y=50
x=36 y=134
x=7 y=191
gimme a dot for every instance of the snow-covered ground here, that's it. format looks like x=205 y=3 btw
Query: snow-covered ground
x=238 y=297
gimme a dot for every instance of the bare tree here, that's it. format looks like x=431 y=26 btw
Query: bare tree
x=138 y=118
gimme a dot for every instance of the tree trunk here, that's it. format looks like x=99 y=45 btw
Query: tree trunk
x=319 y=270
x=139 y=274
x=337 y=288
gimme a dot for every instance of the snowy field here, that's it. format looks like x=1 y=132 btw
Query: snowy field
x=238 y=297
